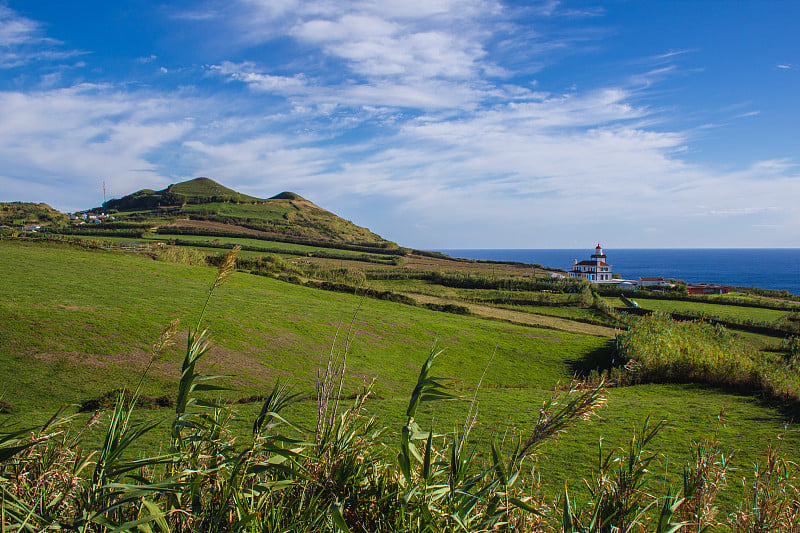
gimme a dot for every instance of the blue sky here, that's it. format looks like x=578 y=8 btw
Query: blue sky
x=435 y=123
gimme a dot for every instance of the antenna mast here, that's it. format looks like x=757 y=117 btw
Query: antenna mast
x=104 y=193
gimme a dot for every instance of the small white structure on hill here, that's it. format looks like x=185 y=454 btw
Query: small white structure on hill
x=595 y=269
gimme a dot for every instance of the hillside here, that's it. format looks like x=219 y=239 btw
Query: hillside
x=19 y=213
x=202 y=206
x=196 y=191
x=76 y=324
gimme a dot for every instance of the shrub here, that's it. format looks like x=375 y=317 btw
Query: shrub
x=182 y=255
x=791 y=347
x=109 y=400
x=448 y=308
x=663 y=350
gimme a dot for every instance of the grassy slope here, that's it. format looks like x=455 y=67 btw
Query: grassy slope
x=286 y=214
x=719 y=310
x=272 y=211
x=17 y=213
x=76 y=323
x=200 y=187
x=279 y=247
x=294 y=218
x=62 y=307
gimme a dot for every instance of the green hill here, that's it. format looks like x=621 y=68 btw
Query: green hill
x=204 y=207
x=286 y=195
x=197 y=191
x=18 y=213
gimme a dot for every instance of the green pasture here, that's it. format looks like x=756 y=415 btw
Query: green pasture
x=416 y=286
x=219 y=245
x=759 y=341
x=754 y=298
x=112 y=239
x=420 y=286
x=67 y=311
x=77 y=323
x=271 y=246
x=264 y=211
x=295 y=249
x=569 y=312
x=724 y=312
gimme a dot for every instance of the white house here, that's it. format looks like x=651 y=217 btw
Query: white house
x=595 y=269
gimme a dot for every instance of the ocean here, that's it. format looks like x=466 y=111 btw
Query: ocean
x=769 y=268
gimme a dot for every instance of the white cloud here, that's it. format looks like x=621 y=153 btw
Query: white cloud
x=739 y=211
x=247 y=73
x=264 y=165
x=76 y=136
x=22 y=41
x=409 y=51
x=16 y=30
x=433 y=95
x=375 y=47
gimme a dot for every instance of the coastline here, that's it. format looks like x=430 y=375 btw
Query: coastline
x=768 y=268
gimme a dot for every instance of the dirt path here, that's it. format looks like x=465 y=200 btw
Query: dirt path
x=518 y=317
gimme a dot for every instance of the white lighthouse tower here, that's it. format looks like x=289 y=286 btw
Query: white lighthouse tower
x=595 y=269
x=598 y=254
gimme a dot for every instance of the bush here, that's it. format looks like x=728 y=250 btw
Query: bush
x=109 y=400
x=659 y=349
x=182 y=255
x=448 y=308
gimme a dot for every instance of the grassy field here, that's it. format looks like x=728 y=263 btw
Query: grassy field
x=75 y=324
x=759 y=341
x=262 y=246
x=65 y=309
x=573 y=313
x=734 y=312
x=265 y=212
x=415 y=286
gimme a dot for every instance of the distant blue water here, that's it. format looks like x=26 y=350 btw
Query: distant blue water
x=770 y=268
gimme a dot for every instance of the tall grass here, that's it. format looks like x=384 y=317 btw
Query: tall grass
x=182 y=255
x=659 y=349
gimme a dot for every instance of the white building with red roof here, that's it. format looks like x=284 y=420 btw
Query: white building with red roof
x=595 y=269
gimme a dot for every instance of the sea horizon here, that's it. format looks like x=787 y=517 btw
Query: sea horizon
x=768 y=268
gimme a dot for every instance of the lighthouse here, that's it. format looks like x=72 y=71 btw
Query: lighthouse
x=595 y=269
x=598 y=254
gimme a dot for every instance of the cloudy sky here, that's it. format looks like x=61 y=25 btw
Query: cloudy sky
x=435 y=123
